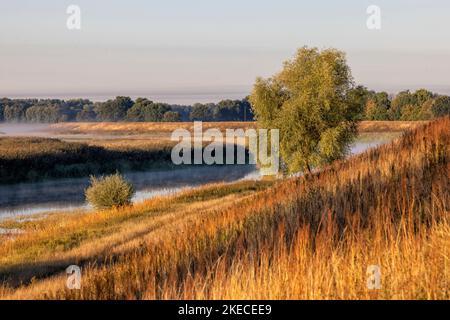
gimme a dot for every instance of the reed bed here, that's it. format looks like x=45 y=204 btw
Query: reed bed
x=25 y=159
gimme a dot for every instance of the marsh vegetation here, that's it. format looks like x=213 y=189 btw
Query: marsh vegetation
x=32 y=159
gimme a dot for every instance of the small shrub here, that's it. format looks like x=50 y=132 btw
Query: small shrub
x=109 y=192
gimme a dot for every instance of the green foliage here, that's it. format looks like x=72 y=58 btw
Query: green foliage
x=377 y=106
x=225 y=110
x=86 y=114
x=146 y=110
x=410 y=113
x=113 y=110
x=43 y=114
x=14 y=113
x=401 y=100
x=119 y=109
x=201 y=112
x=43 y=110
x=33 y=159
x=441 y=106
x=70 y=109
x=406 y=105
x=426 y=111
x=410 y=106
x=311 y=103
x=421 y=96
x=171 y=116
x=232 y=110
x=109 y=192
x=420 y=105
x=155 y=112
x=359 y=97
x=136 y=112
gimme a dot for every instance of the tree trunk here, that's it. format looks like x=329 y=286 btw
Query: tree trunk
x=308 y=172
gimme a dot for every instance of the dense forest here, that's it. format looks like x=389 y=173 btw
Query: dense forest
x=406 y=105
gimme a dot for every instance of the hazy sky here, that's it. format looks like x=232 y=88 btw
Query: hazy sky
x=179 y=50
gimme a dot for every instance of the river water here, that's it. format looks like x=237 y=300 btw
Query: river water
x=25 y=199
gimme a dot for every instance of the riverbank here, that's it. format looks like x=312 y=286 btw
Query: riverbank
x=47 y=244
x=300 y=238
x=24 y=159
x=18 y=201
x=23 y=199
x=31 y=159
x=70 y=150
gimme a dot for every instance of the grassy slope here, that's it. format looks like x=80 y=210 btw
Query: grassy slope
x=301 y=239
x=60 y=239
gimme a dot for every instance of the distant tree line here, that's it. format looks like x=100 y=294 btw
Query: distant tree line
x=119 y=109
x=406 y=105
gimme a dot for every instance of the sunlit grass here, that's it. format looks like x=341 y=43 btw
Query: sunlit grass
x=164 y=129
x=63 y=238
x=303 y=238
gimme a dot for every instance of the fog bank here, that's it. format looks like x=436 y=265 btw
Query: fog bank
x=22 y=129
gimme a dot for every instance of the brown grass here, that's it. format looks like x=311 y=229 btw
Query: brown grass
x=130 y=128
x=163 y=129
x=306 y=238
x=61 y=239
x=389 y=126
x=30 y=158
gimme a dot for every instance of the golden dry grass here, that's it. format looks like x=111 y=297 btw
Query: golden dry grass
x=61 y=239
x=389 y=126
x=163 y=129
x=25 y=159
x=154 y=128
x=304 y=238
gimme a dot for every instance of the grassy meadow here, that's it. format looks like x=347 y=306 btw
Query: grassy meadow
x=310 y=237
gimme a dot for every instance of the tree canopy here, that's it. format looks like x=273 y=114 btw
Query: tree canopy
x=310 y=102
x=113 y=110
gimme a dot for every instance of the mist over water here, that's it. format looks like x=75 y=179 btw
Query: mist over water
x=24 y=199
x=22 y=129
x=67 y=194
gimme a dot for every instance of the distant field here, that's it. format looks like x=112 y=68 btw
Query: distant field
x=130 y=128
x=389 y=126
x=165 y=128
